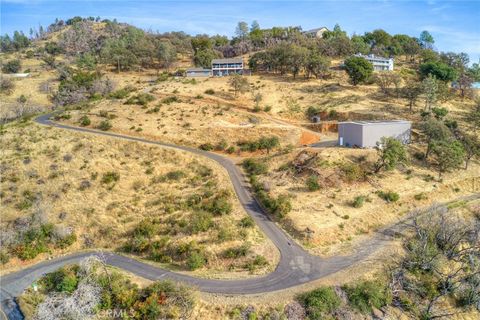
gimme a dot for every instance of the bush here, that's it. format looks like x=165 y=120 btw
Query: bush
x=312 y=183
x=218 y=205
x=367 y=295
x=105 y=125
x=85 y=121
x=388 y=196
x=352 y=172
x=358 y=201
x=63 y=280
x=121 y=93
x=257 y=262
x=254 y=166
x=206 y=147
x=12 y=66
x=237 y=252
x=247 y=222
x=141 y=99
x=110 y=177
x=175 y=175
x=171 y=99
x=201 y=221
x=209 y=91
x=320 y=302
x=6 y=86
x=196 y=260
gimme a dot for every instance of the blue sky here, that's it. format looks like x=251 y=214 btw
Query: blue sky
x=455 y=25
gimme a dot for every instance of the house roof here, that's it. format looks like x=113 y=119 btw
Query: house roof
x=316 y=30
x=229 y=60
x=372 y=56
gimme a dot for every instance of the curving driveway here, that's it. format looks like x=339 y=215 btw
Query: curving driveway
x=296 y=266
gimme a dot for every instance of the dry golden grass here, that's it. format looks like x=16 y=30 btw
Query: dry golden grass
x=64 y=171
x=336 y=224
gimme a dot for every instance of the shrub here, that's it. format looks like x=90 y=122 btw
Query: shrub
x=110 y=177
x=141 y=99
x=175 y=175
x=218 y=205
x=230 y=149
x=222 y=145
x=257 y=262
x=254 y=166
x=209 y=91
x=312 y=183
x=388 y=196
x=196 y=259
x=201 y=221
x=267 y=108
x=121 y=93
x=247 y=222
x=171 y=99
x=12 y=66
x=367 y=295
x=420 y=196
x=320 y=302
x=352 y=172
x=358 y=201
x=85 y=121
x=237 y=252
x=105 y=125
x=6 y=86
x=206 y=147
x=145 y=228
x=63 y=280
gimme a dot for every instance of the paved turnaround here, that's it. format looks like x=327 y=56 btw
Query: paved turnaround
x=296 y=266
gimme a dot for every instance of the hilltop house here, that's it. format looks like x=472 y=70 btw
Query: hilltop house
x=379 y=63
x=315 y=33
x=366 y=134
x=225 y=67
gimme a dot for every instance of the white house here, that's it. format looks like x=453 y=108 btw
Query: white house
x=316 y=33
x=379 y=63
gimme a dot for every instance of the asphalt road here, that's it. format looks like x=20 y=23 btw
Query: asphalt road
x=296 y=266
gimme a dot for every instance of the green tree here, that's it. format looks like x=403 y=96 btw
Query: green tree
x=434 y=130
x=439 y=70
x=430 y=90
x=474 y=116
x=411 y=91
x=166 y=54
x=203 y=52
x=297 y=58
x=87 y=61
x=358 y=69
x=239 y=84
x=449 y=155
x=317 y=65
x=242 y=30
x=391 y=152
x=471 y=144
x=255 y=26
x=426 y=39
x=116 y=52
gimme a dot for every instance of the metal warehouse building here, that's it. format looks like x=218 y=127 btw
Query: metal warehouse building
x=366 y=134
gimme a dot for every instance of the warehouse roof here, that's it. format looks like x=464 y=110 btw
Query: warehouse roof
x=374 y=122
